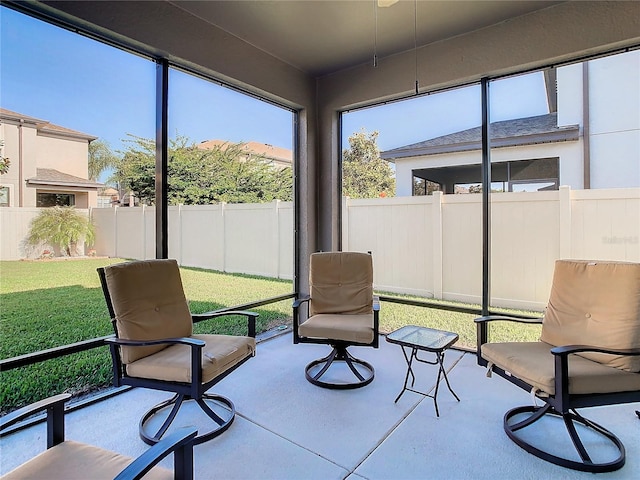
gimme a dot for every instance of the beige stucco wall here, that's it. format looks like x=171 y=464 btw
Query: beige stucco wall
x=20 y=146
x=66 y=155
x=10 y=150
x=28 y=150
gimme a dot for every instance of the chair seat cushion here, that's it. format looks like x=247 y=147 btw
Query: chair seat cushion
x=72 y=460
x=533 y=362
x=348 y=328
x=173 y=364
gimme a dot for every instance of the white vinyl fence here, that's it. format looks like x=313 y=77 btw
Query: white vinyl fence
x=428 y=246
x=255 y=239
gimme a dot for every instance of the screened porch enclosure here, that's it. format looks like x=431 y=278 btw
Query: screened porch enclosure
x=317 y=75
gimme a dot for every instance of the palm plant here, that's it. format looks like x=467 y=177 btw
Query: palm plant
x=63 y=227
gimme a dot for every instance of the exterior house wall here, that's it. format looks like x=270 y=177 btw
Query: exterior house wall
x=66 y=155
x=32 y=144
x=28 y=158
x=9 y=134
x=614 y=120
x=570 y=99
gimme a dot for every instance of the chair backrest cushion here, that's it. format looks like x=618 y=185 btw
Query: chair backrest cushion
x=149 y=304
x=341 y=282
x=598 y=304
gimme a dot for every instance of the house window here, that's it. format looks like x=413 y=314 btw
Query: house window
x=539 y=185
x=422 y=186
x=55 y=200
x=496 y=187
x=4 y=197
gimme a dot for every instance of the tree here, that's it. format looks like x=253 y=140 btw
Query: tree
x=101 y=158
x=225 y=173
x=364 y=173
x=61 y=227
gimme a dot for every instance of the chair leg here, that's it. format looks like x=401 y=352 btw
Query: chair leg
x=364 y=375
x=175 y=402
x=569 y=419
x=223 y=424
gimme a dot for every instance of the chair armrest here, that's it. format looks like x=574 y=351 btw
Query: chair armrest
x=50 y=404
x=376 y=321
x=482 y=330
x=493 y=318
x=207 y=315
x=251 y=318
x=299 y=301
x=569 y=349
x=561 y=367
x=141 y=343
x=179 y=443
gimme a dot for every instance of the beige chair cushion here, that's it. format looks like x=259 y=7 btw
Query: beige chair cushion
x=173 y=364
x=534 y=363
x=349 y=328
x=341 y=282
x=598 y=304
x=71 y=460
x=149 y=304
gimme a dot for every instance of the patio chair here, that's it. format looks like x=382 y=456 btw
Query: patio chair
x=588 y=355
x=341 y=312
x=154 y=345
x=67 y=459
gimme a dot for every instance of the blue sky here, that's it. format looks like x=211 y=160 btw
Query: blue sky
x=72 y=81
x=78 y=83
x=428 y=116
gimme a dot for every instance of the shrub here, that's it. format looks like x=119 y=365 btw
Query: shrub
x=61 y=227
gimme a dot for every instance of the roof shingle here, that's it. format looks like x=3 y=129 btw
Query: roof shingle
x=507 y=133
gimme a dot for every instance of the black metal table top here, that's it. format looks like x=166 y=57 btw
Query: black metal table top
x=423 y=338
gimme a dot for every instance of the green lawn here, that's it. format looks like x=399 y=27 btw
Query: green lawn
x=45 y=304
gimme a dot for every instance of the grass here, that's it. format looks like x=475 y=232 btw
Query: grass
x=45 y=304
x=393 y=316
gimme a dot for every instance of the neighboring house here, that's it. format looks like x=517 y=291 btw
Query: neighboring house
x=591 y=139
x=49 y=164
x=277 y=156
x=108 y=197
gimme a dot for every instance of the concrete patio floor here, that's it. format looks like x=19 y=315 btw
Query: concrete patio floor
x=286 y=428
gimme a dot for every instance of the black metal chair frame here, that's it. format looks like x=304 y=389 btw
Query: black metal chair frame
x=180 y=443
x=338 y=353
x=193 y=391
x=562 y=404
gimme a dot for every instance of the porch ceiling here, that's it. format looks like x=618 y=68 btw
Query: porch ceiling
x=320 y=37
x=317 y=37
